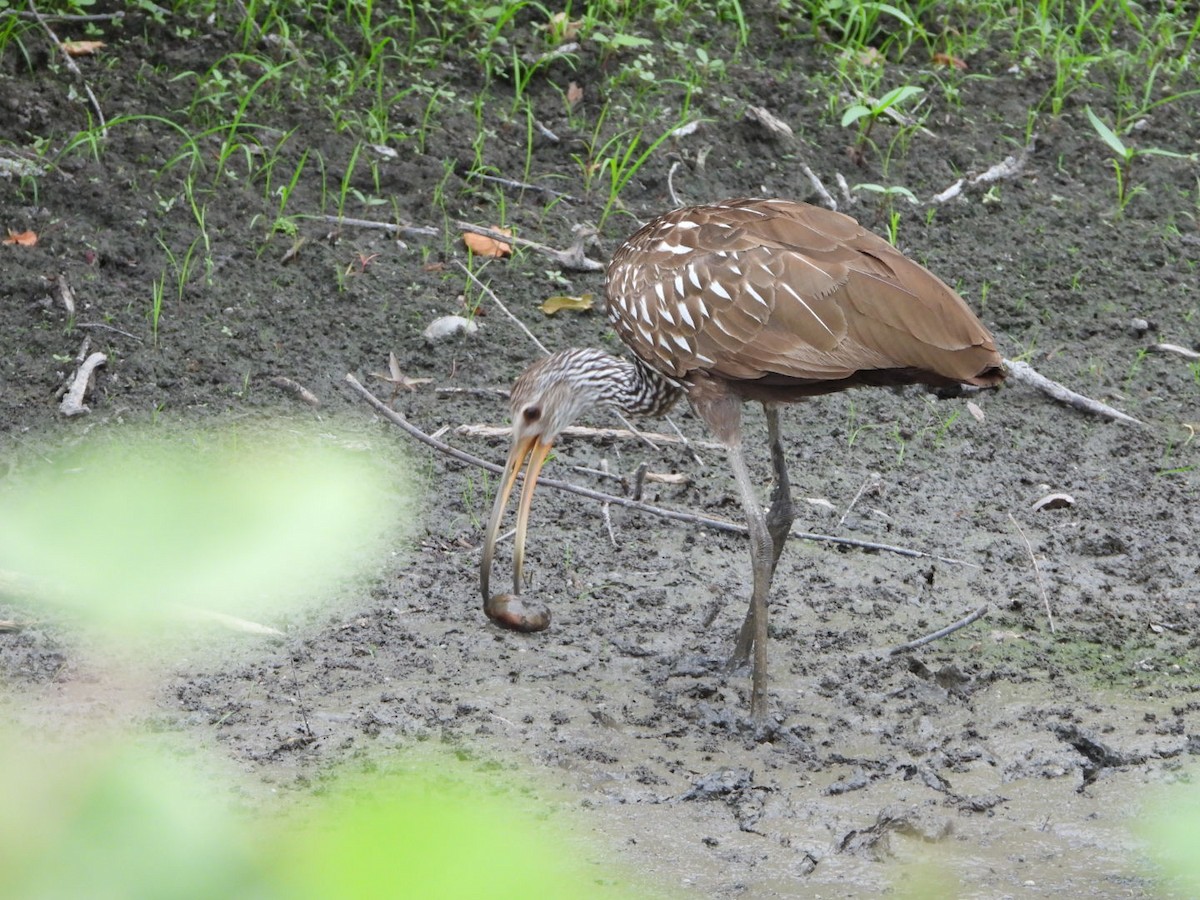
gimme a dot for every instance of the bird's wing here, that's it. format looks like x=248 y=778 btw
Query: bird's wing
x=753 y=289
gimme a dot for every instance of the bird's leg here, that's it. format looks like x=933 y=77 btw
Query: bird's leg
x=778 y=524
x=780 y=515
x=754 y=630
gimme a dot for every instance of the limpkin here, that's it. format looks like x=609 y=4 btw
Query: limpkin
x=767 y=300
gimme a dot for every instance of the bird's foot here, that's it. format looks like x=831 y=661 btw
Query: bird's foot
x=511 y=612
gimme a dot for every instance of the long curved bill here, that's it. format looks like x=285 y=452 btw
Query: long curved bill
x=506 y=609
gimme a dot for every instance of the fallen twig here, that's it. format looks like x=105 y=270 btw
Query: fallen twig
x=826 y=197
x=106 y=328
x=66 y=294
x=296 y=389
x=605 y=509
x=71 y=66
x=844 y=188
x=393 y=227
x=524 y=186
x=871 y=481
x=675 y=515
x=772 y=126
x=1009 y=167
x=1037 y=570
x=675 y=201
x=72 y=402
x=61 y=17
x=1174 y=348
x=504 y=309
x=936 y=635
x=572 y=258
x=1023 y=373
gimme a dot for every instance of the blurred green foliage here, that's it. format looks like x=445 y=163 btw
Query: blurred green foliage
x=111 y=821
x=242 y=520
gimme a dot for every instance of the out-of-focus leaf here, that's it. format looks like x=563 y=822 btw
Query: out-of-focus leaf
x=82 y=48
x=21 y=238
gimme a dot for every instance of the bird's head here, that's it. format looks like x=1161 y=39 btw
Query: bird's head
x=547 y=397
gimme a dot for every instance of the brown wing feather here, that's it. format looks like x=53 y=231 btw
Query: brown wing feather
x=783 y=291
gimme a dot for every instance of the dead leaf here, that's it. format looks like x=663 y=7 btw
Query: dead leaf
x=397 y=379
x=870 y=58
x=952 y=62
x=563 y=28
x=577 y=304
x=482 y=245
x=82 y=48
x=23 y=238
x=574 y=94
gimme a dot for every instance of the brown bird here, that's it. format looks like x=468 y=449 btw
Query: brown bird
x=767 y=300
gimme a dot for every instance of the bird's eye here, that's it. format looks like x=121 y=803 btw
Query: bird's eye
x=531 y=414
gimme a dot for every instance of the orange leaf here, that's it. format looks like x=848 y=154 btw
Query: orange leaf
x=23 y=238
x=574 y=94
x=82 y=48
x=952 y=62
x=482 y=245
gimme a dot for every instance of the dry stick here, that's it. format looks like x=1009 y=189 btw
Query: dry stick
x=671 y=184
x=689 y=445
x=56 y=17
x=66 y=294
x=1023 y=373
x=296 y=389
x=504 y=309
x=933 y=636
x=72 y=403
x=1174 y=348
x=106 y=328
x=1037 y=570
x=1009 y=167
x=826 y=197
x=871 y=480
x=394 y=227
x=690 y=518
x=573 y=258
x=605 y=508
x=71 y=66
x=844 y=187
x=524 y=186
x=546 y=132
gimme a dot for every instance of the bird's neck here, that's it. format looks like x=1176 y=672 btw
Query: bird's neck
x=646 y=392
x=632 y=387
